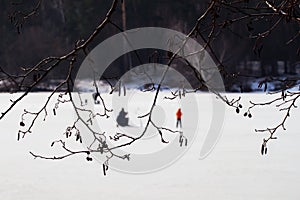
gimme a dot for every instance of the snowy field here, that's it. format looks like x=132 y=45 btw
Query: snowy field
x=234 y=170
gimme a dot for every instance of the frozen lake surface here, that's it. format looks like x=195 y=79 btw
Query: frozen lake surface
x=234 y=170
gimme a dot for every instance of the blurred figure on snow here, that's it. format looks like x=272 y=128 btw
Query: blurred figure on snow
x=178 y=116
x=122 y=120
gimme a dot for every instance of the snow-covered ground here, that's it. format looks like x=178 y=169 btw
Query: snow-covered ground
x=234 y=170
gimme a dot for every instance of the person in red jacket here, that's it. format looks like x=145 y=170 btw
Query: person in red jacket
x=178 y=116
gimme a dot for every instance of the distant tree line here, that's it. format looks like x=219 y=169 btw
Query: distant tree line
x=57 y=25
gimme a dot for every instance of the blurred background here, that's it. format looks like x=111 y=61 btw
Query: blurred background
x=59 y=24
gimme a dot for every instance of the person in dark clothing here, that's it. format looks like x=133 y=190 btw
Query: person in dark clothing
x=178 y=117
x=122 y=120
x=96 y=97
